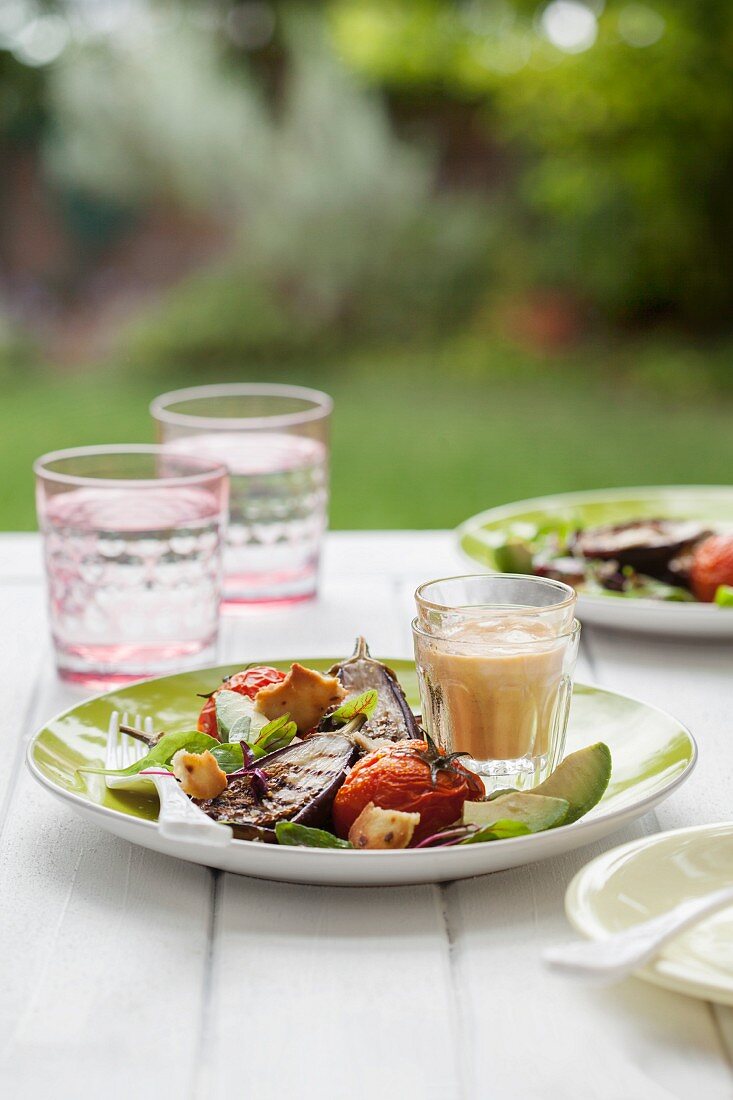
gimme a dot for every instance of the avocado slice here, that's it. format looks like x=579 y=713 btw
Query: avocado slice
x=537 y=812
x=513 y=556
x=581 y=778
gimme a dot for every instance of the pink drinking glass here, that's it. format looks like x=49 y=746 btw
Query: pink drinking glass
x=275 y=441
x=133 y=541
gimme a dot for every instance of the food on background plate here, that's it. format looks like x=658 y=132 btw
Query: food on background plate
x=711 y=568
x=645 y=545
x=657 y=559
x=363 y=776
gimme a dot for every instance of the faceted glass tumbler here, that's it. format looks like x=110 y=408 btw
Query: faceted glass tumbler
x=133 y=539
x=275 y=442
x=495 y=657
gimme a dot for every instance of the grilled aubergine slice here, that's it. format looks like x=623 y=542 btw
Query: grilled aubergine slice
x=393 y=718
x=646 y=545
x=302 y=781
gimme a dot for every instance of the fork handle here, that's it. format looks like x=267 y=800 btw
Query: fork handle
x=180 y=819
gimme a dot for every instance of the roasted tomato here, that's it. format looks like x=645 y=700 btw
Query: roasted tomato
x=246 y=683
x=411 y=776
x=712 y=565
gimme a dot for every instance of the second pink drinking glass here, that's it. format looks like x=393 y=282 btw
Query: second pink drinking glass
x=275 y=441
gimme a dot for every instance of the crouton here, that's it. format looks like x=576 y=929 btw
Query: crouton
x=304 y=694
x=199 y=774
x=378 y=828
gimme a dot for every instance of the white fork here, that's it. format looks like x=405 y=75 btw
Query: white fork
x=178 y=818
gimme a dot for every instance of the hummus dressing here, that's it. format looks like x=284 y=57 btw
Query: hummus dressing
x=492 y=688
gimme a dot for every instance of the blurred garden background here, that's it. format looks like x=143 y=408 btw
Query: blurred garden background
x=499 y=232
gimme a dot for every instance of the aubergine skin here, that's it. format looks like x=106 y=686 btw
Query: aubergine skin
x=646 y=545
x=302 y=781
x=393 y=718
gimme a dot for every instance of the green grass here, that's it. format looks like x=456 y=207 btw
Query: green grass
x=420 y=439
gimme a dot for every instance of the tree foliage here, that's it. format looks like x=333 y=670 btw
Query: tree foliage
x=623 y=191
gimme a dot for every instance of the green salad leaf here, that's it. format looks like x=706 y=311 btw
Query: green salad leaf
x=724 y=595
x=360 y=704
x=301 y=836
x=559 y=530
x=275 y=735
x=498 y=830
x=161 y=754
x=228 y=755
x=638 y=586
x=647 y=588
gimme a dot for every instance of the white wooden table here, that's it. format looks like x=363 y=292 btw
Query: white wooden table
x=127 y=974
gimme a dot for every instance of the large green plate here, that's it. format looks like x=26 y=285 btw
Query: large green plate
x=652 y=754
x=711 y=504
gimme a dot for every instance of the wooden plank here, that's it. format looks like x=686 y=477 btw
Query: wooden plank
x=332 y=972
x=723 y=1016
x=324 y=627
x=350 y=990
x=20 y=557
x=536 y=1035
x=422 y=555
x=103 y=951
x=24 y=649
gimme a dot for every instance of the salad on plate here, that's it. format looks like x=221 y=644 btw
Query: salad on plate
x=338 y=760
x=672 y=560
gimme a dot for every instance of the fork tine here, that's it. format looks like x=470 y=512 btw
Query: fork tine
x=113 y=733
x=129 y=750
x=122 y=750
x=121 y=740
x=122 y=745
x=132 y=749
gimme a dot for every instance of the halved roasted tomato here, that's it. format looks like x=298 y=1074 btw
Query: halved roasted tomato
x=412 y=776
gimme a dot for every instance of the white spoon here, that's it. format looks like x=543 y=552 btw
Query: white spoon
x=617 y=956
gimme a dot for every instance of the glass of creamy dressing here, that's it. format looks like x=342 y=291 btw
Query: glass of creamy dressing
x=495 y=657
